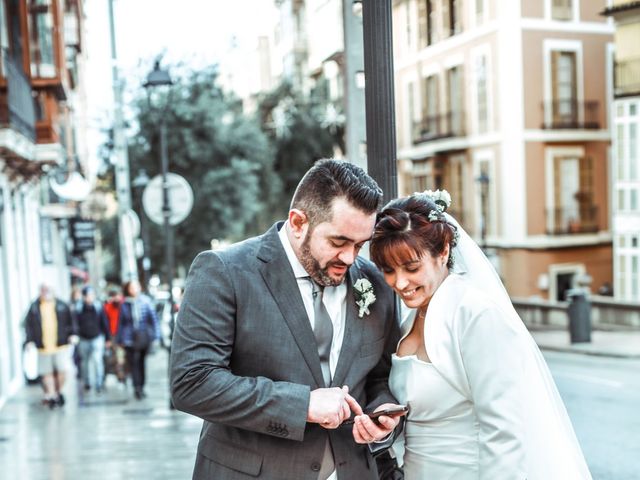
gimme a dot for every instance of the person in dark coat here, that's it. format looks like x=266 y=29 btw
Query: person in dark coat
x=137 y=329
x=93 y=329
x=49 y=326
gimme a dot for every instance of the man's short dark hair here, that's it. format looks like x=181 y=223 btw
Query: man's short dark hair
x=329 y=179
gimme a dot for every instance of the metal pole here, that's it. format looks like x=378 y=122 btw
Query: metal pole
x=379 y=95
x=166 y=213
x=128 y=267
x=355 y=134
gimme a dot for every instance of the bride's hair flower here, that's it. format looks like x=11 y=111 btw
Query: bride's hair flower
x=441 y=198
x=364 y=295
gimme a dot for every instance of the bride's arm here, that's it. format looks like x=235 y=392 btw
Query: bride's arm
x=491 y=353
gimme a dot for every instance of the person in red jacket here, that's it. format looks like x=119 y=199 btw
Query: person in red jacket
x=112 y=309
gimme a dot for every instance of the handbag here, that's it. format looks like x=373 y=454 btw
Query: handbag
x=141 y=339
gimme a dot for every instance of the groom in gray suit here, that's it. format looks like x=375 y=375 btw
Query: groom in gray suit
x=282 y=337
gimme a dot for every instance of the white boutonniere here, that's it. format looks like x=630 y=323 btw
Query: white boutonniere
x=364 y=296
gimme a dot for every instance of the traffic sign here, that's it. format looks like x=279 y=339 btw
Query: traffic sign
x=180 y=199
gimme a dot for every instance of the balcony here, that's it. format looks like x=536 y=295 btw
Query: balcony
x=570 y=114
x=434 y=127
x=627 y=77
x=16 y=101
x=572 y=220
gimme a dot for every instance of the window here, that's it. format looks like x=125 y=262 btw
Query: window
x=621 y=202
x=4 y=37
x=454 y=95
x=41 y=31
x=633 y=151
x=450 y=17
x=620 y=151
x=562 y=9
x=456 y=185
x=634 y=277
x=480 y=12
x=408 y=24
x=413 y=122
x=425 y=22
x=482 y=100
x=564 y=81
x=575 y=211
x=422 y=175
x=15 y=32
x=430 y=104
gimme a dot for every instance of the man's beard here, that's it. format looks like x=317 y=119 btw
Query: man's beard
x=313 y=268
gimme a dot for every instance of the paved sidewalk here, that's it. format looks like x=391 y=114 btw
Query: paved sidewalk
x=110 y=436
x=621 y=344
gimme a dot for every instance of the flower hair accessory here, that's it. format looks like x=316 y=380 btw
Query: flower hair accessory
x=441 y=198
x=364 y=296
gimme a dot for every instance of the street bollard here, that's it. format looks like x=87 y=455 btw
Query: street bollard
x=579 y=316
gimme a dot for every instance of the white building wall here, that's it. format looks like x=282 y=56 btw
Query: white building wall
x=626 y=198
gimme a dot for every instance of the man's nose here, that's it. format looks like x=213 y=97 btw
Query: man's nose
x=348 y=255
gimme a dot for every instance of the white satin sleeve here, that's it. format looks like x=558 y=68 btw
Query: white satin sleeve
x=491 y=354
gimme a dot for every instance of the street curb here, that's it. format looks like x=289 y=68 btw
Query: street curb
x=589 y=352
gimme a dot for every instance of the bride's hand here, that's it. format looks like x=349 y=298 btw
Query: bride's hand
x=365 y=430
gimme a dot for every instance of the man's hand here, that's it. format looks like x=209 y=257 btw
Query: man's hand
x=366 y=430
x=74 y=339
x=331 y=406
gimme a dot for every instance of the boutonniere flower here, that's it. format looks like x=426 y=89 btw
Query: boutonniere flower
x=364 y=296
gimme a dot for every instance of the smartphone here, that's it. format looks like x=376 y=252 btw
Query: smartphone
x=388 y=412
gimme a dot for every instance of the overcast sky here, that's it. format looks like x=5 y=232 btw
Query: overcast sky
x=193 y=32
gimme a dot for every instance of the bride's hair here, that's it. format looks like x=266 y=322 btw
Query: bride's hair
x=409 y=227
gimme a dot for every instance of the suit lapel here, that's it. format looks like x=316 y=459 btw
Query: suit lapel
x=281 y=282
x=352 y=331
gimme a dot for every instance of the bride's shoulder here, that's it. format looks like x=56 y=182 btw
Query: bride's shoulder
x=461 y=294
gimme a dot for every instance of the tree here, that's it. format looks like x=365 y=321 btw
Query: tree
x=298 y=139
x=225 y=157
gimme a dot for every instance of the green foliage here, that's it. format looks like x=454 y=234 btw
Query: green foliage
x=243 y=170
x=298 y=138
x=225 y=157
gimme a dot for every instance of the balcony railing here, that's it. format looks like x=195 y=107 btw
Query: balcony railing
x=572 y=220
x=570 y=114
x=16 y=102
x=627 y=77
x=450 y=124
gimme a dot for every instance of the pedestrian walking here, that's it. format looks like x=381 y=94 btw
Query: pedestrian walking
x=93 y=329
x=49 y=326
x=112 y=309
x=137 y=329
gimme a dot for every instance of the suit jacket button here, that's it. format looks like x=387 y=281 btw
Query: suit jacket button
x=315 y=466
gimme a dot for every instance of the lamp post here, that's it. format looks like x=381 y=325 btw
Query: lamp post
x=483 y=182
x=139 y=183
x=158 y=86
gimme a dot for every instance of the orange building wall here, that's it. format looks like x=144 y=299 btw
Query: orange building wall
x=521 y=268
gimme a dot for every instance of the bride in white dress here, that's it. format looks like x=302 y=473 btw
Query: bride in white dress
x=482 y=402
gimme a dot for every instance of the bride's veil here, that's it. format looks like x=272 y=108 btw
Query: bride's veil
x=552 y=448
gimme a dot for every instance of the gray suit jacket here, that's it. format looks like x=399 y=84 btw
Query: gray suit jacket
x=244 y=359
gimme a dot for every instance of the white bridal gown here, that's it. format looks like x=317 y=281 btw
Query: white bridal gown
x=441 y=432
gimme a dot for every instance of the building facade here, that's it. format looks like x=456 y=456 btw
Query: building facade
x=505 y=104
x=626 y=149
x=42 y=125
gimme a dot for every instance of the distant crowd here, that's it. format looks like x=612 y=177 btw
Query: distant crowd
x=112 y=336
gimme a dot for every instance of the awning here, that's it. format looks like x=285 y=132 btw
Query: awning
x=76 y=188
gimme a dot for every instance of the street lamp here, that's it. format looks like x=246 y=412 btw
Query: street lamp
x=139 y=183
x=483 y=182
x=158 y=86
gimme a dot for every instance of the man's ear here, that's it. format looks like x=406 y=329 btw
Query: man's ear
x=298 y=221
